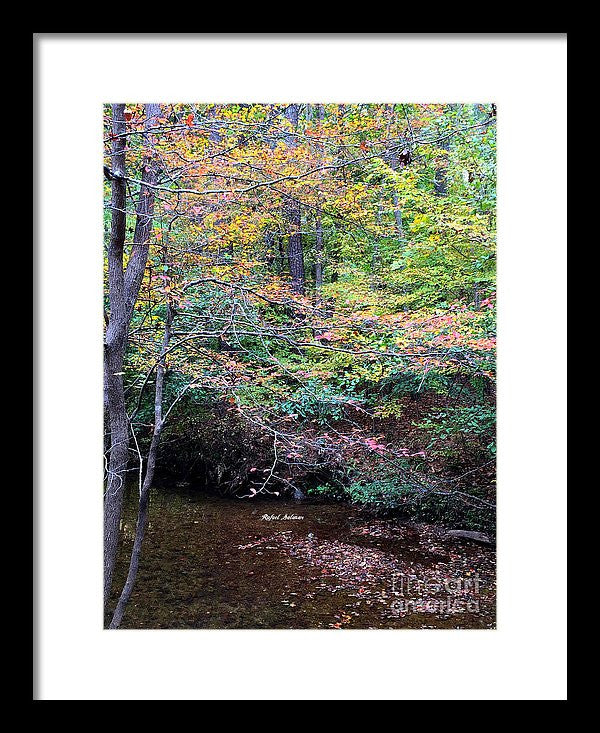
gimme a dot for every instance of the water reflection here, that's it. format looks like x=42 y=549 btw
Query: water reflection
x=211 y=562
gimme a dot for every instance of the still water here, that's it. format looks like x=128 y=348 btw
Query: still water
x=222 y=563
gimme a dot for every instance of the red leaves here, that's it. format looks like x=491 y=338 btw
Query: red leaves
x=374 y=445
x=128 y=116
x=189 y=120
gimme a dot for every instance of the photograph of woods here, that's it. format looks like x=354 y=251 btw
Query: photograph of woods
x=299 y=365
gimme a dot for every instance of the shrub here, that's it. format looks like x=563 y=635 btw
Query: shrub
x=474 y=425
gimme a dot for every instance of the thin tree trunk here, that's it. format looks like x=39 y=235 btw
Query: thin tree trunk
x=318 y=255
x=394 y=165
x=143 y=226
x=123 y=286
x=376 y=257
x=214 y=134
x=295 y=250
x=319 y=233
x=142 y=519
x=397 y=216
x=293 y=216
x=269 y=249
x=440 y=183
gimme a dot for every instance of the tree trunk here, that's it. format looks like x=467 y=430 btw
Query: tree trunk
x=114 y=351
x=376 y=257
x=293 y=216
x=295 y=250
x=143 y=226
x=394 y=165
x=214 y=134
x=142 y=519
x=319 y=233
x=396 y=206
x=440 y=184
x=123 y=286
x=318 y=255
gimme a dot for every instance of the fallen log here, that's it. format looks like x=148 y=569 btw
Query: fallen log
x=465 y=534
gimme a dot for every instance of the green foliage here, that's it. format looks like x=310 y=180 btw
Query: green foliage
x=467 y=422
x=398 y=383
x=452 y=510
x=328 y=491
x=384 y=492
x=386 y=488
x=317 y=402
x=387 y=493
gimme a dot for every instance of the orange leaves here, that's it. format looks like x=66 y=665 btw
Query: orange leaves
x=189 y=120
x=483 y=344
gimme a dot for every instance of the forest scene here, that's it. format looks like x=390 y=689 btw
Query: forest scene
x=299 y=365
